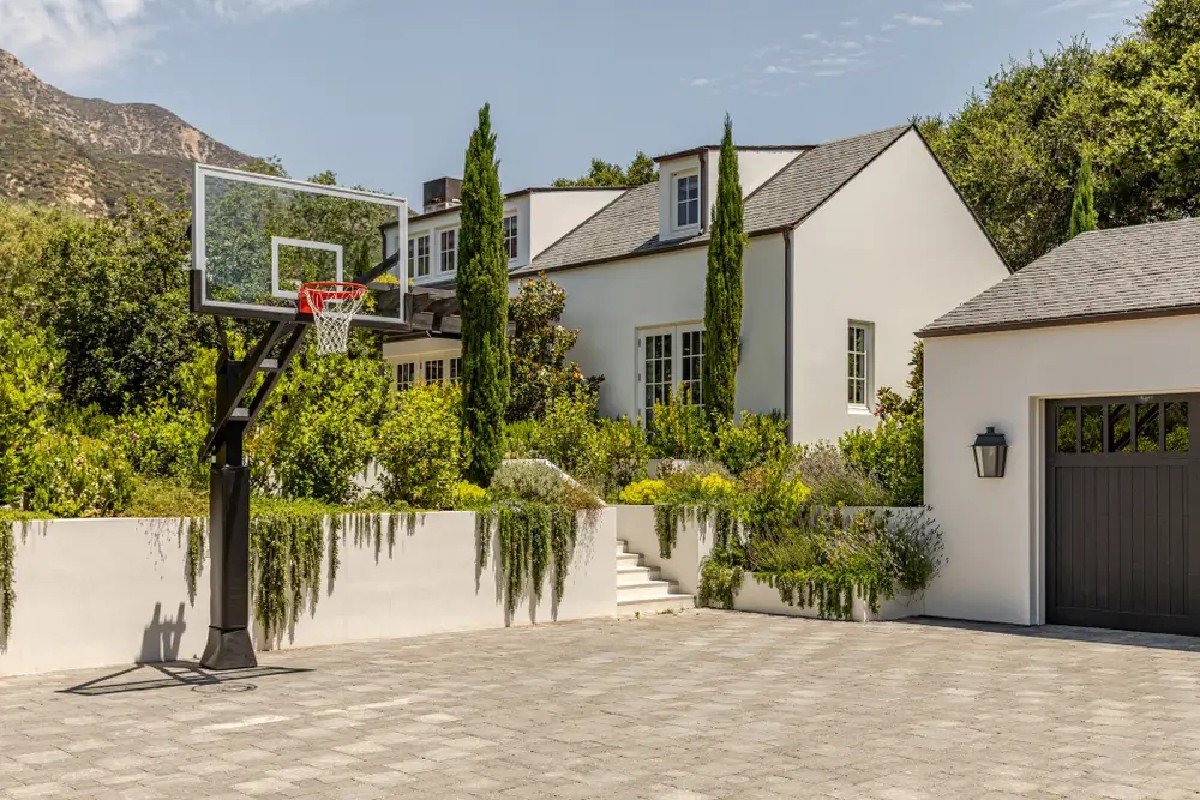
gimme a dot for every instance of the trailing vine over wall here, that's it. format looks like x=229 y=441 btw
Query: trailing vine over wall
x=670 y=517
x=196 y=530
x=719 y=583
x=534 y=538
x=832 y=592
x=8 y=597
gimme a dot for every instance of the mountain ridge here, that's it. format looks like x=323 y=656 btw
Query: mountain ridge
x=87 y=153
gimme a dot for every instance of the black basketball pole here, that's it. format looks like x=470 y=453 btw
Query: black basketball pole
x=229 y=645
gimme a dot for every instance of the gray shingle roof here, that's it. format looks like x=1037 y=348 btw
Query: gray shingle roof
x=1140 y=270
x=628 y=226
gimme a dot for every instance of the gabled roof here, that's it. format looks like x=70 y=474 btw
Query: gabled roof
x=628 y=226
x=1134 y=272
x=509 y=196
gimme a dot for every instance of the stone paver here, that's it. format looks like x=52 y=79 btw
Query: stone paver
x=701 y=706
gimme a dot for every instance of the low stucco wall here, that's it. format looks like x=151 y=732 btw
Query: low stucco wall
x=102 y=592
x=994 y=528
x=761 y=598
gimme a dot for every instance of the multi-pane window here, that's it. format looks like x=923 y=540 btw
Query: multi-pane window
x=690 y=357
x=510 y=236
x=434 y=371
x=449 y=250
x=455 y=370
x=418 y=256
x=671 y=359
x=858 y=364
x=1146 y=425
x=687 y=201
x=657 y=375
x=406 y=375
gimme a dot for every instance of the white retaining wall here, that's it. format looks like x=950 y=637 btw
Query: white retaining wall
x=98 y=592
x=694 y=544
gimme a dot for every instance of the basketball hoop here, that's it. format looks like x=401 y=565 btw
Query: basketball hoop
x=332 y=304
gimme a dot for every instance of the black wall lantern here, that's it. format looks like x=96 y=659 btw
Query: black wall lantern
x=991 y=451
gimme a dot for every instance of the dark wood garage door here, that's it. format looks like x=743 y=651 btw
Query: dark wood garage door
x=1122 y=543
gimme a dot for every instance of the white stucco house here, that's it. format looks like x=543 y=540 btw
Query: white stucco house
x=1086 y=361
x=852 y=245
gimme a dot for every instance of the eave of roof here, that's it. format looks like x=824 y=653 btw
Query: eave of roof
x=705 y=148
x=511 y=196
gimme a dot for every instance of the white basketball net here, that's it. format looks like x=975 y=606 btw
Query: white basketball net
x=331 y=314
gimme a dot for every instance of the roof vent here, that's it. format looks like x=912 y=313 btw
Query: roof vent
x=442 y=193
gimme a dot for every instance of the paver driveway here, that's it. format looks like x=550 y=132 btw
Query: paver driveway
x=705 y=704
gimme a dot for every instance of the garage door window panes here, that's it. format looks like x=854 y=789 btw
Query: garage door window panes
x=1122 y=427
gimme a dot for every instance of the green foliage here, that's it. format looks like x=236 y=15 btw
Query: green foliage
x=564 y=435
x=833 y=479
x=753 y=441
x=540 y=373
x=26 y=230
x=420 y=447
x=29 y=368
x=893 y=454
x=644 y=492
x=617 y=453
x=167 y=497
x=678 y=429
x=535 y=516
x=723 y=294
x=603 y=173
x=1083 y=207
x=1013 y=151
x=164 y=441
x=482 y=289
x=71 y=475
x=121 y=306
x=319 y=425
x=287 y=546
x=720 y=581
x=8 y=597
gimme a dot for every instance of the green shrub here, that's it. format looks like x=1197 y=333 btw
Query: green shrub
x=835 y=480
x=68 y=475
x=565 y=435
x=536 y=482
x=617 y=455
x=753 y=441
x=645 y=492
x=320 y=426
x=163 y=441
x=28 y=366
x=893 y=455
x=679 y=430
x=420 y=450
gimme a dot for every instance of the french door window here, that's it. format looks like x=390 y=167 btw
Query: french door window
x=670 y=359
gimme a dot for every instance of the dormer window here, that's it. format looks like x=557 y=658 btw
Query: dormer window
x=687 y=200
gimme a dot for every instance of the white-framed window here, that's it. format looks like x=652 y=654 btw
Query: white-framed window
x=687 y=200
x=406 y=375
x=435 y=370
x=456 y=369
x=860 y=344
x=670 y=359
x=418 y=256
x=448 y=249
x=510 y=236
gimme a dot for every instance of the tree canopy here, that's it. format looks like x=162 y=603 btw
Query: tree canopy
x=1133 y=106
x=604 y=173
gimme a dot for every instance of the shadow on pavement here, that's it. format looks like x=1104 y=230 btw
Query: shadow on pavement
x=173 y=675
x=1159 y=641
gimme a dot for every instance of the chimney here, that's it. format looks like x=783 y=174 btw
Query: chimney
x=442 y=193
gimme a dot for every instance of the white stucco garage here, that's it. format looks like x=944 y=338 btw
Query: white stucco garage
x=1088 y=361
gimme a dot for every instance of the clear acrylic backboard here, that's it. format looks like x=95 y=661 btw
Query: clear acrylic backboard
x=256 y=238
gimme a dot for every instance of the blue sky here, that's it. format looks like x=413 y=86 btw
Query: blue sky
x=384 y=92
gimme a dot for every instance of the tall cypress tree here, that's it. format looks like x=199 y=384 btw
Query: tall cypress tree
x=1083 y=207
x=723 y=288
x=482 y=288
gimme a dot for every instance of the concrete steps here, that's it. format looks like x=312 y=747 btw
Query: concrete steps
x=641 y=590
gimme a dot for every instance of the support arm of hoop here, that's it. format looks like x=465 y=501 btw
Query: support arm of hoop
x=290 y=348
x=252 y=364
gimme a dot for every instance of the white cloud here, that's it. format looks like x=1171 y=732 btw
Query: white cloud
x=917 y=20
x=810 y=36
x=71 y=38
x=700 y=81
x=955 y=7
x=850 y=23
x=778 y=69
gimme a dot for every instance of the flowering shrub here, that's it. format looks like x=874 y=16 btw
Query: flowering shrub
x=645 y=492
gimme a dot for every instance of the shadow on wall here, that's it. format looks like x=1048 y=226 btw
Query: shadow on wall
x=162 y=637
